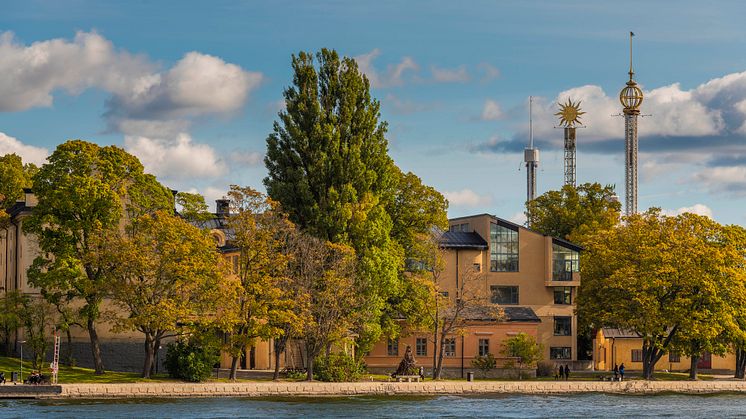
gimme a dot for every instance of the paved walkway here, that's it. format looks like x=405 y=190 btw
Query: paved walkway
x=304 y=389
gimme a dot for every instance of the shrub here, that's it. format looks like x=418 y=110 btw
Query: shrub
x=190 y=361
x=545 y=369
x=484 y=363
x=337 y=367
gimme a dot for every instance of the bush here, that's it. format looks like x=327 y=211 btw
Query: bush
x=190 y=361
x=484 y=363
x=545 y=369
x=337 y=368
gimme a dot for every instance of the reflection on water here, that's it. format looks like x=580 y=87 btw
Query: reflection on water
x=509 y=406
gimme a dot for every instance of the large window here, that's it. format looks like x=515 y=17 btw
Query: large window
x=563 y=352
x=565 y=261
x=484 y=347
x=503 y=248
x=421 y=347
x=504 y=294
x=637 y=355
x=449 y=348
x=562 y=295
x=562 y=326
x=393 y=347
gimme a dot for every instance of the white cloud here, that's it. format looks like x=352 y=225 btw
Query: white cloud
x=394 y=74
x=466 y=198
x=728 y=179
x=29 y=153
x=405 y=107
x=489 y=71
x=450 y=75
x=699 y=209
x=491 y=111
x=246 y=158
x=518 y=218
x=176 y=159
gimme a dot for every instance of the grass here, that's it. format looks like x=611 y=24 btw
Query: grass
x=77 y=374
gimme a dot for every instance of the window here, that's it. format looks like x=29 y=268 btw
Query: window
x=449 y=348
x=563 y=352
x=504 y=295
x=672 y=357
x=444 y=293
x=477 y=267
x=562 y=326
x=562 y=295
x=484 y=347
x=460 y=227
x=421 y=347
x=565 y=261
x=637 y=355
x=503 y=248
x=393 y=347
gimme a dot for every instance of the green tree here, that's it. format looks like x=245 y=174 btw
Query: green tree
x=167 y=274
x=86 y=193
x=523 y=350
x=193 y=207
x=14 y=176
x=735 y=238
x=329 y=168
x=11 y=304
x=574 y=213
x=660 y=277
x=484 y=363
x=37 y=320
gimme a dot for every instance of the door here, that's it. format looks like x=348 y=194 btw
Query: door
x=705 y=362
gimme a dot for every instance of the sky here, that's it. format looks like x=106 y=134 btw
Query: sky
x=193 y=89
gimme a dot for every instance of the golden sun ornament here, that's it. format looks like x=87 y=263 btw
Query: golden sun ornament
x=569 y=113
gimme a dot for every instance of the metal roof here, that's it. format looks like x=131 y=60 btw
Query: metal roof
x=463 y=240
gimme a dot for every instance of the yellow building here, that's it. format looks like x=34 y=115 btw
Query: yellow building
x=617 y=346
x=525 y=272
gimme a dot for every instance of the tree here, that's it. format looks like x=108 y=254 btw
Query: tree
x=325 y=272
x=328 y=166
x=193 y=207
x=11 y=305
x=660 y=277
x=37 y=320
x=523 y=349
x=574 y=213
x=14 y=177
x=484 y=363
x=167 y=274
x=86 y=193
x=261 y=233
x=735 y=238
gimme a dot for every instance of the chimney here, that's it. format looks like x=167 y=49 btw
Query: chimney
x=222 y=207
x=174 y=192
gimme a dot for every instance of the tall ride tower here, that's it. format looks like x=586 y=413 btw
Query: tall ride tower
x=631 y=99
x=531 y=156
x=569 y=115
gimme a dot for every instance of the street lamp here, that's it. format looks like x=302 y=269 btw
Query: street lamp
x=21 y=342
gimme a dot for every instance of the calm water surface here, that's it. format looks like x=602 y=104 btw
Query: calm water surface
x=518 y=406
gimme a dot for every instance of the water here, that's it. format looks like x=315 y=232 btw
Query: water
x=508 y=406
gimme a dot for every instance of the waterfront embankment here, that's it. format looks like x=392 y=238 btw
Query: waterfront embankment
x=318 y=389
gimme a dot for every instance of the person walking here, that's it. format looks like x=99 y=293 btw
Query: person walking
x=557 y=372
x=567 y=372
x=616 y=372
x=621 y=372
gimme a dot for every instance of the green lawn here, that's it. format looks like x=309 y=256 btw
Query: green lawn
x=76 y=374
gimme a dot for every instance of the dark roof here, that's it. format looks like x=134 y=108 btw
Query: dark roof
x=520 y=314
x=613 y=332
x=18 y=208
x=462 y=240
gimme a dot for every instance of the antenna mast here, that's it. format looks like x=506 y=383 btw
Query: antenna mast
x=531 y=156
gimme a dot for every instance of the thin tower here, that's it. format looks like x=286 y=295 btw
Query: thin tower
x=631 y=99
x=569 y=116
x=531 y=156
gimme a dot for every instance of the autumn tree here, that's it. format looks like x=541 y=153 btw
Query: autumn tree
x=14 y=177
x=192 y=207
x=735 y=237
x=85 y=194
x=523 y=350
x=260 y=234
x=574 y=213
x=166 y=273
x=328 y=166
x=661 y=277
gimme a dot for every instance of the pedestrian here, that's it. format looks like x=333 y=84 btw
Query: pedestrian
x=621 y=372
x=557 y=372
x=567 y=372
x=616 y=372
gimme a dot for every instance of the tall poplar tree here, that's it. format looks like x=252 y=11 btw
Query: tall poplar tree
x=329 y=168
x=85 y=194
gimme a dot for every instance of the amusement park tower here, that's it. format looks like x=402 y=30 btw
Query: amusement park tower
x=569 y=116
x=531 y=156
x=631 y=98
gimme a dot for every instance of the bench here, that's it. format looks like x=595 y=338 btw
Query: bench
x=408 y=378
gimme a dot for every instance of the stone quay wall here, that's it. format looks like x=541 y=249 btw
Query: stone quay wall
x=317 y=389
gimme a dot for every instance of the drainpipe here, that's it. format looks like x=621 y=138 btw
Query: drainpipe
x=462 y=356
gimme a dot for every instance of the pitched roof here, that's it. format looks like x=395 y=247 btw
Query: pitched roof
x=613 y=332
x=462 y=240
x=521 y=314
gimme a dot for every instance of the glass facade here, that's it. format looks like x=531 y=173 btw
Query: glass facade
x=565 y=261
x=503 y=248
x=504 y=294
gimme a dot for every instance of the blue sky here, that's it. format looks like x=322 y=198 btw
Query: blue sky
x=192 y=88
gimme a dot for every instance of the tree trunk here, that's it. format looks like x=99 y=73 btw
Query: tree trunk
x=276 y=375
x=95 y=347
x=740 y=363
x=69 y=355
x=309 y=370
x=693 y=367
x=234 y=367
x=156 y=350
x=149 y=355
x=439 y=368
x=435 y=349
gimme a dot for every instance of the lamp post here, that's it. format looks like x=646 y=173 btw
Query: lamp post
x=21 y=342
x=156 y=357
